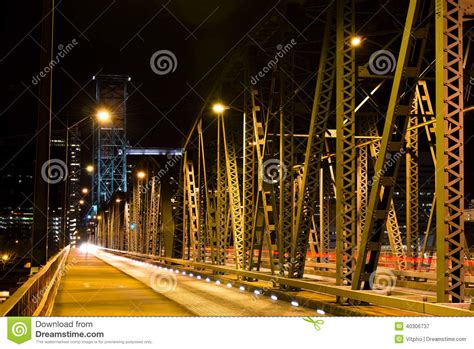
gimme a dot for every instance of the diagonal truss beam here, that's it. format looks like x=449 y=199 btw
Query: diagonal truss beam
x=310 y=177
x=391 y=146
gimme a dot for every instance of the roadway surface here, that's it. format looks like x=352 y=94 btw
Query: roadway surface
x=103 y=284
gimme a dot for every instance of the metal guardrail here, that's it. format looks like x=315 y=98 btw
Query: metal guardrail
x=437 y=309
x=35 y=297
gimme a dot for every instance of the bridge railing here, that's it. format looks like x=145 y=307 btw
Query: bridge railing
x=36 y=296
x=381 y=298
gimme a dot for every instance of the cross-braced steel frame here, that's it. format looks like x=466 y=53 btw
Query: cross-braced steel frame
x=297 y=174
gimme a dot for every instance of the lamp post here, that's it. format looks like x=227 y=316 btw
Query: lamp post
x=219 y=109
x=5 y=259
x=102 y=116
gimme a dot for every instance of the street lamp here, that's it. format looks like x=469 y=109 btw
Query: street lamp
x=5 y=259
x=103 y=115
x=219 y=108
x=141 y=174
x=356 y=40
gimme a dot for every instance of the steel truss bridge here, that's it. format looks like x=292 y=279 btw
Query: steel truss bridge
x=295 y=177
x=295 y=180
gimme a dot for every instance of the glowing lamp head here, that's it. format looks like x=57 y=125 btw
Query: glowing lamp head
x=103 y=115
x=141 y=174
x=218 y=108
x=85 y=190
x=5 y=257
x=356 y=41
x=90 y=168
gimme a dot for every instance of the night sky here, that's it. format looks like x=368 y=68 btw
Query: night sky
x=119 y=37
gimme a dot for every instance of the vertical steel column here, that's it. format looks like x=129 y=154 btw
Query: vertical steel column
x=145 y=219
x=286 y=161
x=412 y=212
x=177 y=222
x=362 y=175
x=186 y=242
x=131 y=216
x=201 y=198
x=210 y=226
x=221 y=204
x=193 y=212
x=235 y=201
x=154 y=215
x=449 y=151
x=138 y=219
x=126 y=224
x=345 y=143
x=135 y=214
x=324 y=213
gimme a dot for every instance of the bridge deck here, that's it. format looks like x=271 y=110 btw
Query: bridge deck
x=91 y=287
x=113 y=286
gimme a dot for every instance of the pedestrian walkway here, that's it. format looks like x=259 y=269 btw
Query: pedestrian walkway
x=91 y=287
